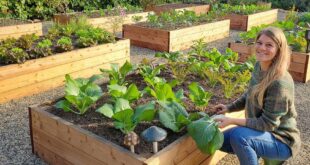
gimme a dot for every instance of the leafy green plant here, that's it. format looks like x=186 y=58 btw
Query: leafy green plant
x=64 y=44
x=180 y=70
x=163 y=92
x=206 y=134
x=173 y=115
x=173 y=56
x=26 y=41
x=199 y=96
x=93 y=36
x=43 y=48
x=13 y=55
x=131 y=93
x=80 y=95
x=136 y=18
x=118 y=74
x=234 y=82
x=149 y=74
x=125 y=118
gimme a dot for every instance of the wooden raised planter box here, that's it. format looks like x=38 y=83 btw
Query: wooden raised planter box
x=174 y=40
x=246 y=22
x=197 y=8
x=107 y=22
x=57 y=141
x=102 y=22
x=299 y=67
x=34 y=76
x=16 y=31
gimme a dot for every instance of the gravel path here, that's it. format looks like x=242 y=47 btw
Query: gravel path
x=15 y=147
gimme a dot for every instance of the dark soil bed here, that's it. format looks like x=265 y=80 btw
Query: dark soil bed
x=176 y=5
x=102 y=126
x=175 y=27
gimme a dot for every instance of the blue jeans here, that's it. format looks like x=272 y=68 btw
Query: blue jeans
x=249 y=145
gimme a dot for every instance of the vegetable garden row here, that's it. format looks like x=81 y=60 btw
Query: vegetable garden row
x=177 y=96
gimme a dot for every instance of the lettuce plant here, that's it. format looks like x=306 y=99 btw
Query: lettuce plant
x=64 y=44
x=26 y=41
x=80 y=95
x=14 y=55
x=43 y=48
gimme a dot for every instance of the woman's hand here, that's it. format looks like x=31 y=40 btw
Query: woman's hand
x=224 y=122
x=221 y=109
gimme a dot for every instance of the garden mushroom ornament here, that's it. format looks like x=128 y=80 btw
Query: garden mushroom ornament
x=154 y=134
x=131 y=139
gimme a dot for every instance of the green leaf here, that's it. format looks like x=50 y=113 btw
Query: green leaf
x=93 y=91
x=145 y=112
x=206 y=135
x=123 y=120
x=72 y=87
x=116 y=90
x=125 y=69
x=132 y=93
x=106 y=110
x=121 y=104
x=64 y=104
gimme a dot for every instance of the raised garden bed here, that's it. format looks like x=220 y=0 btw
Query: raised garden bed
x=174 y=40
x=15 y=28
x=299 y=67
x=57 y=141
x=106 y=22
x=37 y=75
x=246 y=22
x=197 y=8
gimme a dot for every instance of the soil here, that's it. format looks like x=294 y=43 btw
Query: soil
x=103 y=126
x=176 y=6
x=173 y=26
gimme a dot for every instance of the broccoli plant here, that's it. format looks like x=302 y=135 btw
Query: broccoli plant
x=81 y=94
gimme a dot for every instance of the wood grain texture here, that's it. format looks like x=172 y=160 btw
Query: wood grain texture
x=58 y=141
x=16 y=31
x=174 y=40
x=246 y=22
x=42 y=74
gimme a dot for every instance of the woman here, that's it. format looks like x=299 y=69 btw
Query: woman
x=269 y=129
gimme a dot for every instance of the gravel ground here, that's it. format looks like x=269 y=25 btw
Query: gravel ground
x=15 y=147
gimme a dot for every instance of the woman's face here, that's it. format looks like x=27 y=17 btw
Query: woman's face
x=266 y=49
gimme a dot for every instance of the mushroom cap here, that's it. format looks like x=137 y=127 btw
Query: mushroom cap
x=154 y=134
x=131 y=139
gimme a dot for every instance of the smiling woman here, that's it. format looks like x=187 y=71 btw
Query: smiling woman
x=269 y=129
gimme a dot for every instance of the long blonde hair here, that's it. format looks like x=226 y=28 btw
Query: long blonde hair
x=279 y=65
